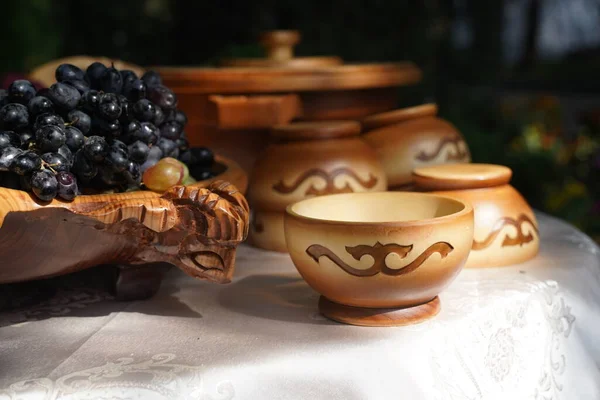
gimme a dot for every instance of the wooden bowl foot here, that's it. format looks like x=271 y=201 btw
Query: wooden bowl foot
x=378 y=316
x=138 y=282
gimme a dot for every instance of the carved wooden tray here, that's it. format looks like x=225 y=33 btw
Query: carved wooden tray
x=195 y=228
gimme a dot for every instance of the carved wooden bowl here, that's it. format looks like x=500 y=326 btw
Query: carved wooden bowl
x=195 y=228
x=413 y=137
x=306 y=160
x=379 y=259
x=506 y=230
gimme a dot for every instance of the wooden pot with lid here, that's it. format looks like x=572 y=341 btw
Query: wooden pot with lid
x=231 y=108
x=506 y=230
x=413 y=137
x=307 y=159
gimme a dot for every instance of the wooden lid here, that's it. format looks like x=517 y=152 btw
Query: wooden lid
x=316 y=130
x=461 y=176
x=281 y=80
x=279 y=47
x=396 y=116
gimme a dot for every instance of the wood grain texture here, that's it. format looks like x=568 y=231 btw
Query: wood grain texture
x=194 y=228
x=379 y=316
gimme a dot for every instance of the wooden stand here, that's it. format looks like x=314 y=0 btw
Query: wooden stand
x=378 y=316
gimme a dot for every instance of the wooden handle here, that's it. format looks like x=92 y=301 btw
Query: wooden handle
x=252 y=112
x=279 y=45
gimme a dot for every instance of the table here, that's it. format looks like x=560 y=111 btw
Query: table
x=520 y=332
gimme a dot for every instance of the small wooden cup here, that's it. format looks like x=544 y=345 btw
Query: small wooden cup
x=413 y=137
x=506 y=230
x=379 y=259
x=306 y=160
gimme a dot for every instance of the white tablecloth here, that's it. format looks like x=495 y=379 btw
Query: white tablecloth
x=524 y=332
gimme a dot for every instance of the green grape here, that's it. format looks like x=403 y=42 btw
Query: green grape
x=164 y=174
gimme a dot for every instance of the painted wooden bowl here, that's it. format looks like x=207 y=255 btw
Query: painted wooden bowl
x=506 y=230
x=379 y=259
x=306 y=160
x=412 y=137
x=195 y=228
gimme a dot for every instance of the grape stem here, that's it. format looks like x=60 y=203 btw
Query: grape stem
x=49 y=166
x=72 y=122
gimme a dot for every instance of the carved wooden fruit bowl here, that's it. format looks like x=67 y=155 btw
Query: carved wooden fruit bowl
x=379 y=259
x=195 y=228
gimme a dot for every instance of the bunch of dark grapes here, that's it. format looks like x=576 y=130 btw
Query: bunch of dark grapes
x=99 y=130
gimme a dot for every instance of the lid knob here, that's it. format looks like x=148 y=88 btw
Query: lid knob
x=279 y=45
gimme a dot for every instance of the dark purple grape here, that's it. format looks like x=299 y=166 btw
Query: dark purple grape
x=63 y=96
x=27 y=140
x=135 y=90
x=50 y=137
x=182 y=144
x=44 y=185
x=127 y=75
x=163 y=97
x=66 y=153
x=171 y=130
x=109 y=177
x=152 y=78
x=39 y=105
x=109 y=107
x=95 y=148
x=159 y=116
x=82 y=86
x=179 y=116
x=3 y=97
x=144 y=110
x=90 y=101
x=126 y=110
x=117 y=159
x=133 y=174
x=43 y=92
x=7 y=155
x=68 y=72
x=109 y=129
x=67 y=185
x=93 y=74
x=149 y=133
x=56 y=162
x=48 y=119
x=9 y=138
x=168 y=147
x=80 y=120
x=21 y=91
x=26 y=163
x=74 y=138
x=14 y=117
x=201 y=156
x=119 y=145
x=138 y=151
x=111 y=81
x=200 y=173
x=84 y=168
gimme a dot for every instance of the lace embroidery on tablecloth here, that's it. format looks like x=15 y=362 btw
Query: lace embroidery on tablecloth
x=156 y=378
x=507 y=348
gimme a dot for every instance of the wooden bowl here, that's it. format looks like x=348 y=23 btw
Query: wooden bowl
x=413 y=137
x=506 y=230
x=379 y=259
x=195 y=227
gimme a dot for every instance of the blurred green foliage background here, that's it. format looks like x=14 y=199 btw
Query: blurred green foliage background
x=524 y=113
